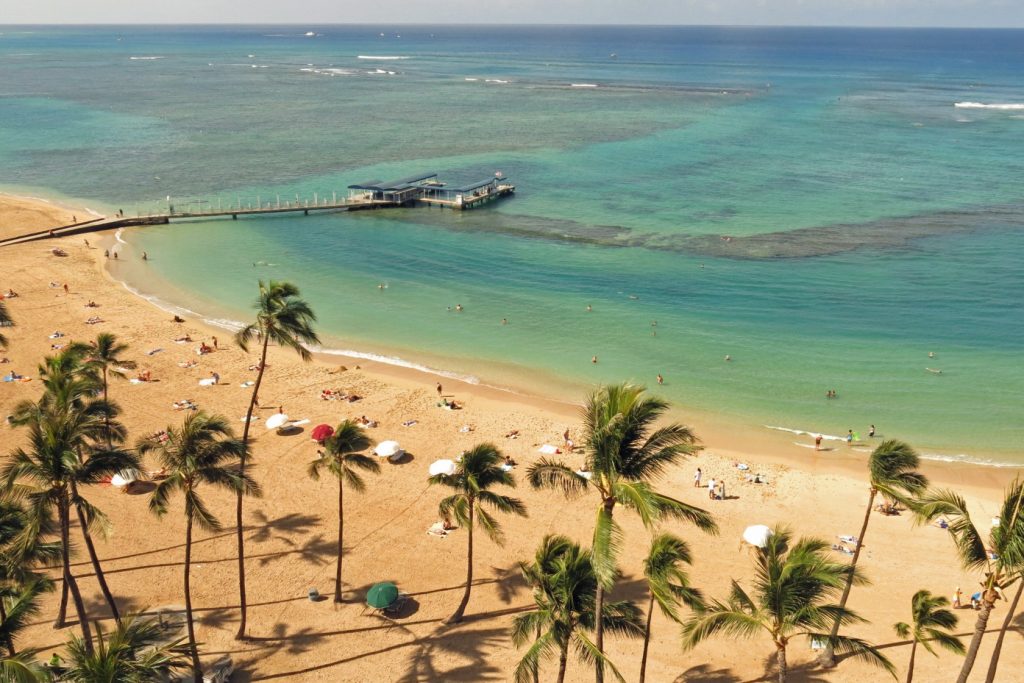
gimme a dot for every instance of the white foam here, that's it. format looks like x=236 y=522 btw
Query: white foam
x=385 y=57
x=981 y=105
x=799 y=432
x=471 y=79
x=117 y=236
x=496 y=80
x=225 y=323
x=145 y=59
x=398 y=362
x=583 y=85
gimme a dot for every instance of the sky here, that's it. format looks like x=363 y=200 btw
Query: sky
x=951 y=13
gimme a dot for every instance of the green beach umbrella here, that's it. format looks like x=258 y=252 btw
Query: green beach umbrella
x=381 y=595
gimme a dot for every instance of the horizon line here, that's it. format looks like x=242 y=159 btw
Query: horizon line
x=450 y=24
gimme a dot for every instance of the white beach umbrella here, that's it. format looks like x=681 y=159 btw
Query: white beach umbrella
x=276 y=420
x=442 y=467
x=757 y=535
x=386 y=449
x=122 y=479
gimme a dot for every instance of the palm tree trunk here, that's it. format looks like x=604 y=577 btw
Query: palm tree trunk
x=8 y=638
x=780 y=656
x=828 y=657
x=910 y=665
x=100 y=578
x=197 y=670
x=563 y=660
x=994 y=663
x=609 y=506
x=979 y=630
x=341 y=534
x=238 y=506
x=536 y=669
x=647 y=640
x=106 y=418
x=457 y=617
x=62 y=611
x=69 y=579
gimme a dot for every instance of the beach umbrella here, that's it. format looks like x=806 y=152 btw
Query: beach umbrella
x=122 y=479
x=386 y=449
x=757 y=535
x=276 y=420
x=322 y=432
x=442 y=467
x=382 y=595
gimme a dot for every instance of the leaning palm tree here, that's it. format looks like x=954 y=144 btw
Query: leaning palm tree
x=5 y=321
x=566 y=611
x=342 y=457
x=203 y=450
x=135 y=652
x=930 y=621
x=892 y=472
x=793 y=588
x=624 y=454
x=18 y=608
x=479 y=470
x=285 y=319
x=668 y=584
x=1000 y=562
x=993 y=664
x=105 y=353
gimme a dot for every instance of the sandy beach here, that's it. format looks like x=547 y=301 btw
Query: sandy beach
x=292 y=530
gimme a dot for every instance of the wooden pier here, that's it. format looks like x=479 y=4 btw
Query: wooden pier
x=422 y=190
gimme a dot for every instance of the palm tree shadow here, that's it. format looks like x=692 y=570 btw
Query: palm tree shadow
x=472 y=645
x=315 y=550
x=287 y=525
x=703 y=673
x=509 y=582
x=809 y=672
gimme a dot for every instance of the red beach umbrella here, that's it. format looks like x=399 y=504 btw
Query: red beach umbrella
x=322 y=432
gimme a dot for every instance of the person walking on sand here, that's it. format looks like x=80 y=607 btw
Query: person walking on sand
x=439 y=390
x=696 y=478
x=849 y=436
x=66 y=290
x=958 y=598
x=711 y=488
x=215 y=343
x=817 y=442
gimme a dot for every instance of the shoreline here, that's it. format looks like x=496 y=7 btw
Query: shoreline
x=292 y=528
x=529 y=386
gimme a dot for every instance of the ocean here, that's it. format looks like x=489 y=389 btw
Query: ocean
x=826 y=207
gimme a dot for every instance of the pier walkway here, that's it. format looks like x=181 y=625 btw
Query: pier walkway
x=422 y=190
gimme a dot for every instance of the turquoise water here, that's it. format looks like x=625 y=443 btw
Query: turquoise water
x=869 y=220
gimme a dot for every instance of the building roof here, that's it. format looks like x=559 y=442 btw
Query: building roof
x=474 y=186
x=400 y=184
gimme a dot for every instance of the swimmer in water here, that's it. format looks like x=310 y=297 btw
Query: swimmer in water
x=661 y=380
x=145 y=256
x=728 y=357
x=593 y=360
x=458 y=307
x=931 y=354
x=589 y=308
x=504 y=321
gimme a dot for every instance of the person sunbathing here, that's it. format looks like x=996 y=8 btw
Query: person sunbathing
x=92 y=304
x=145 y=376
x=94 y=320
x=11 y=294
x=185 y=338
x=204 y=349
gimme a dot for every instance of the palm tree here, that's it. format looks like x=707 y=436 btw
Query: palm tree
x=668 y=584
x=1000 y=562
x=42 y=474
x=202 y=451
x=5 y=321
x=537 y=575
x=624 y=453
x=930 y=620
x=133 y=653
x=285 y=319
x=21 y=552
x=565 y=611
x=70 y=386
x=341 y=457
x=993 y=664
x=479 y=470
x=18 y=608
x=892 y=471
x=104 y=354
x=793 y=587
